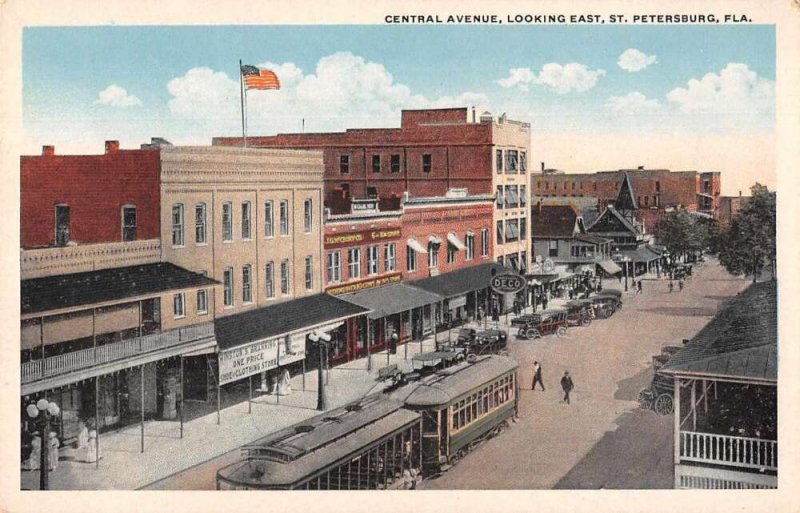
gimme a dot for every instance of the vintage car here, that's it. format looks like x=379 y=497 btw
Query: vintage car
x=580 y=312
x=543 y=323
x=658 y=396
x=473 y=342
x=605 y=305
x=466 y=335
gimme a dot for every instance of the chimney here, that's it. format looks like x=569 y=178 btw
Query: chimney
x=542 y=167
x=112 y=147
x=539 y=204
x=641 y=168
x=49 y=151
x=473 y=114
x=740 y=192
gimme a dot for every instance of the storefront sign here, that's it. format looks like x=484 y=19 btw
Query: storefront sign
x=457 y=301
x=362 y=285
x=341 y=239
x=248 y=360
x=507 y=283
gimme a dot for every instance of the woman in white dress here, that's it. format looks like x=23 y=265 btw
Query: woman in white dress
x=32 y=463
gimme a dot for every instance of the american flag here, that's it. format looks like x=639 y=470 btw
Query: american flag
x=257 y=78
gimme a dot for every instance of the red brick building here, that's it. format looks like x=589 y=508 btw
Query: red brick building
x=655 y=189
x=87 y=199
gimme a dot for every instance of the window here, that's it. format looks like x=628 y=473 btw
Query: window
x=523 y=195
x=433 y=255
x=390 y=257
x=285 y=283
x=426 y=162
x=552 y=248
x=706 y=185
x=573 y=186
x=523 y=161
x=581 y=186
x=309 y=272
x=247 y=284
x=308 y=215
x=485 y=242
x=202 y=301
x=523 y=260
x=344 y=164
x=227 y=284
x=499 y=232
x=128 y=223
x=269 y=219
x=270 y=279
x=511 y=196
x=372 y=192
x=178 y=305
x=499 y=197
x=284 y=217
x=594 y=186
x=499 y=160
x=512 y=230
x=523 y=228
x=246 y=220
x=538 y=184
x=511 y=162
x=470 y=243
x=452 y=251
x=345 y=189
x=411 y=260
x=395 y=163
x=376 y=163
x=334 y=267
x=647 y=201
x=658 y=186
x=372 y=259
x=200 y=223
x=354 y=262
x=177 y=224
x=227 y=222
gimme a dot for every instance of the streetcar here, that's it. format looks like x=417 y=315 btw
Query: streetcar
x=383 y=440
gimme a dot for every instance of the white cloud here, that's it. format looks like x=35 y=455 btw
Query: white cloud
x=633 y=103
x=344 y=91
x=117 y=96
x=633 y=60
x=735 y=90
x=561 y=78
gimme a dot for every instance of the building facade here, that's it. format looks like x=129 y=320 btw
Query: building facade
x=433 y=151
x=250 y=219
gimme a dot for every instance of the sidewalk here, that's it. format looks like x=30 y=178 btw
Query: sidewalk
x=124 y=467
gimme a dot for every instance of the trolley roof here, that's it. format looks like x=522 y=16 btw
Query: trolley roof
x=448 y=384
x=276 y=474
x=324 y=429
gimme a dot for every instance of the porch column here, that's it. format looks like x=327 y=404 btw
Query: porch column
x=677 y=421
x=94 y=335
x=141 y=387
x=181 y=391
x=705 y=398
x=140 y=325
x=304 y=374
x=250 y=394
x=97 y=422
x=41 y=340
x=369 y=344
x=694 y=405
x=405 y=346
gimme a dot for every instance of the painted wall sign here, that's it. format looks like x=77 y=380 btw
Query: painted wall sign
x=340 y=239
x=361 y=285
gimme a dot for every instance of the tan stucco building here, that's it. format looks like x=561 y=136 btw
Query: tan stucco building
x=249 y=218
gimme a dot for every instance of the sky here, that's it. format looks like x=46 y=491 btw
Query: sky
x=597 y=97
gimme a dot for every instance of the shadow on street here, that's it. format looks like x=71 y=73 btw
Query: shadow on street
x=679 y=311
x=628 y=389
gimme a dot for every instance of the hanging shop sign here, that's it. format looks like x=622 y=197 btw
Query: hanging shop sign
x=507 y=283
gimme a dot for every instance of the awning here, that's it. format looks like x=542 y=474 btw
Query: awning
x=471 y=232
x=433 y=239
x=460 y=282
x=512 y=231
x=391 y=299
x=609 y=266
x=415 y=245
x=705 y=195
x=453 y=239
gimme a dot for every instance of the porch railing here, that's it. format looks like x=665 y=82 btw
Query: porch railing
x=735 y=451
x=76 y=360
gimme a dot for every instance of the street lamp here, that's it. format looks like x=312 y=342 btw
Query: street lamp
x=41 y=413
x=625 y=261
x=320 y=340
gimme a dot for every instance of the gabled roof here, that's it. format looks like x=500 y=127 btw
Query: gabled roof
x=626 y=199
x=740 y=342
x=611 y=214
x=553 y=221
x=105 y=285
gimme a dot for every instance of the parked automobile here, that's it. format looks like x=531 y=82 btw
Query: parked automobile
x=580 y=312
x=544 y=323
x=605 y=305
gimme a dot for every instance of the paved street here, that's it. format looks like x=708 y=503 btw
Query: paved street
x=601 y=440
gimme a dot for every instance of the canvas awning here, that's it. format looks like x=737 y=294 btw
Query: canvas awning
x=415 y=245
x=609 y=266
x=433 y=239
x=453 y=239
x=391 y=299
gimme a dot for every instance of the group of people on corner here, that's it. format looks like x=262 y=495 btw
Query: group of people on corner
x=566 y=381
x=84 y=449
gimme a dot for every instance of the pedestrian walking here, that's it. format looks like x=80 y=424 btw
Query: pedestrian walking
x=544 y=301
x=567 y=385
x=52 y=451
x=680 y=285
x=639 y=286
x=393 y=343
x=480 y=313
x=671 y=286
x=537 y=376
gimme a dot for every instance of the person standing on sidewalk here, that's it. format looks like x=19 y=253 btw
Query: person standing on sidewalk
x=537 y=376
x=567 y=386
x=639 y=287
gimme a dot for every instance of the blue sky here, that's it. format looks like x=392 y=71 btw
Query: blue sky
x=181 y=82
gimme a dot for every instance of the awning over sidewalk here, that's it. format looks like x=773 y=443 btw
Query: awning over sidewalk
x=415 y=245
x=460 y=282
x=453 y=239
x=609 y=266
x=641 y=254
x=391 y=299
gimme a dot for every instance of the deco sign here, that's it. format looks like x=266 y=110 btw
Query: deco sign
x=507 y=283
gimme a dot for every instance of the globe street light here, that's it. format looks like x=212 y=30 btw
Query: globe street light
x=320 y=340
x=41 y=413
x=625 y=261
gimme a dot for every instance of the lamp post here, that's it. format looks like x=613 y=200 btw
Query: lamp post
x=625 y=261
x=41 y=413
x=320 y=340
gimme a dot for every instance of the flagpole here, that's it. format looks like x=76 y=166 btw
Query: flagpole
x=241 y=95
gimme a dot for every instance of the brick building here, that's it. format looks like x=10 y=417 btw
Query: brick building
x=433 y=151
x=654 y=189
x=86 y=199
x=729 y=207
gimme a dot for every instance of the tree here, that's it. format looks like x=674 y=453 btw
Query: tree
x=681 y=232
x=748 y=244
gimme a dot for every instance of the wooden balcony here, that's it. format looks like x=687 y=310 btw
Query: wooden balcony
x=731 y=451
x=86 y=358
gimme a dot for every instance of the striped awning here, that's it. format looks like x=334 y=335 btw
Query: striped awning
x=415 y=245
x=453 y=239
